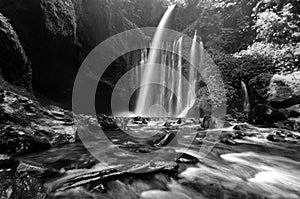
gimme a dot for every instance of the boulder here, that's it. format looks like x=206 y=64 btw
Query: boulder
x=228 y=141
x=265 y=114
x=275 y=138
x=107 y=123
x=290 y=124
x=206 y=123
x=140 y=120
x=14 y=64
x=227 y=124
x=293 y=111
x=166 y=138
x=284 y=90
x=28 y=127
x=241 y=127
x=239 y=135
x=15 y=141
x=187 y=159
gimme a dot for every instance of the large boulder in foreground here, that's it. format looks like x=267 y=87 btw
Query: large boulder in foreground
x=14 y=64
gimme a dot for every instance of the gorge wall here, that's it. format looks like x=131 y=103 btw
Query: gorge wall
x=57 y=35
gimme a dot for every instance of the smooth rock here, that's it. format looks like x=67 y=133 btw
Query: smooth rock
x=187 y=159
x=241 y=127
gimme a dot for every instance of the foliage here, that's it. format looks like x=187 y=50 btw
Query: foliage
x=277 y=25
x=223 y=25
x=285 y=58
x=249 y=40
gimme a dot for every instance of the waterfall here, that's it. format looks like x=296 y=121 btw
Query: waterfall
x=162 y=82
x=191 y=97
x=246 y=98
x=193 y=60
x=145 y=98
x=158 y=101
x=172 y=82
x=179 y=86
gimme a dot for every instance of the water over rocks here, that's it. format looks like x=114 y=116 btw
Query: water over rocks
x=102 y=180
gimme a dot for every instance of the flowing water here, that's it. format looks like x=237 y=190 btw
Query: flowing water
x=161 y=101
x=253 y=168
x=140 y=164
x=246 y=98
x=146 y=93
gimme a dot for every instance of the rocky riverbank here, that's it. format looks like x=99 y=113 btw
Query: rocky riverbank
x=42 y=159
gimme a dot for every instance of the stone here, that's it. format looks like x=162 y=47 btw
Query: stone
x=28 y=127
x=89 y=178
x=290 y=124
x=163 y=140
x=284 y=90
x=265 y=114
x=14 y=141
x=227 y=124
x=140 y=120
x=275 y=138
x=239 y=135
x=293 y=111
x=107 y=123
x=206 y=123
x=187 y=159
x=228 y=141
x=36 y=170
x=241 y=127
x=15 y=66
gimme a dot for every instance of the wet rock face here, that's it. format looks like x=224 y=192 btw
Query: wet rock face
x=28 y=127
x=92 y=24
x=47 y=31
x=57 y=35
x=14 y=64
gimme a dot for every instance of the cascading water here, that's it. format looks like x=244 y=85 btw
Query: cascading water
x=191 y=97
x=172 y=82
x=192 y=78
x=179 y=85
x=146 y=94
x=159 y=101
x=246 y=98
